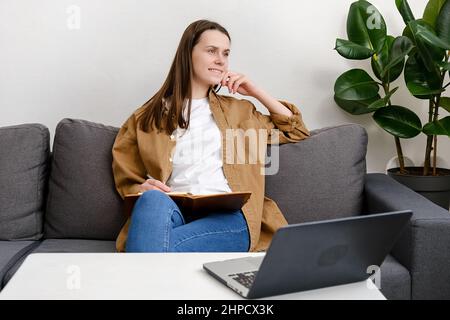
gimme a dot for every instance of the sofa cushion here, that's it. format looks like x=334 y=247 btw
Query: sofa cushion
x=82 y=200
x=10 y=253
x=75 y=245
x=62 y=245
x=321 y=177
x=23 y=173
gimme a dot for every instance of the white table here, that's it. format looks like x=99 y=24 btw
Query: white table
x=142 y=276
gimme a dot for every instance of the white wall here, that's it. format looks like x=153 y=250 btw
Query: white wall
x=123 y=49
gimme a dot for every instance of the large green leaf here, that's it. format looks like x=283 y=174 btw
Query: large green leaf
x=381 y=60
x=431 y=38
x=351 y=50
x=428 y=54
x=355 y=84
x=364 y=106
x=400 y=48
x=398 y=121
x=417 y=89
x=438 y=128
x=445 y=103
x=420 y=82
x=437 y=54
x=407 y=33
x=405 y=10
x=431 y=12
x=443 y=22
x=359 y=106
x=366 y=26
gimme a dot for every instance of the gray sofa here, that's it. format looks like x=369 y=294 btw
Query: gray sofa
x=65 y=200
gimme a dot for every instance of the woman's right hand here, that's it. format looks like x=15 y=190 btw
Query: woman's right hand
x=153 y=184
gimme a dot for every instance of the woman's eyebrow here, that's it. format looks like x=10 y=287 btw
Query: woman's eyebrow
x=217 y=48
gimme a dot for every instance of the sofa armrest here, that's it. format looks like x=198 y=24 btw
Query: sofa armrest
x=424 y=247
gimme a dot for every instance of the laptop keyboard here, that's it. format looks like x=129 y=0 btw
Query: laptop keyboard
x=244 y=278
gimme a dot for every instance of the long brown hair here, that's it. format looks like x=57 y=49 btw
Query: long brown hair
x=177 y=86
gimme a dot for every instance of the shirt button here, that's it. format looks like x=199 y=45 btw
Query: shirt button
x=172 y=137
x=170 y=159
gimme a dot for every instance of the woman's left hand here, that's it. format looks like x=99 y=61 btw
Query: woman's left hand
x=237 y=82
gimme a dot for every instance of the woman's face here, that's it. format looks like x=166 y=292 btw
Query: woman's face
x=210 y=58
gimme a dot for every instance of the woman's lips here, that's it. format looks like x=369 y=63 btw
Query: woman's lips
x=215 y=71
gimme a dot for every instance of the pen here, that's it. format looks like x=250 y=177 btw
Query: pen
x=150 y=177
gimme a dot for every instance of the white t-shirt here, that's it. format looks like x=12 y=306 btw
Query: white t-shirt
x=197 y=156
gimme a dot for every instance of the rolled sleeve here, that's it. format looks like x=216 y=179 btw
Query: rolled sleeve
x=290 y=124
x=291 y=128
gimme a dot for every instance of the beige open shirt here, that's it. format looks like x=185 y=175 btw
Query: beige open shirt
x=137 y=153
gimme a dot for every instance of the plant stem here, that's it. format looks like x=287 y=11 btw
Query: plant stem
x=434 y=155
x=401 y=160
x=436 y=100
x=398 y=145
x=433 y=116
x=426 y=164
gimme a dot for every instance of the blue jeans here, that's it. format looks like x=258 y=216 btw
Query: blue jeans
x=157 y=225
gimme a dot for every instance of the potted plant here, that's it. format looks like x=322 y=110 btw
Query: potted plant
x=421 y=53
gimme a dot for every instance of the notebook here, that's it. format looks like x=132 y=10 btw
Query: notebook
x=197 y=205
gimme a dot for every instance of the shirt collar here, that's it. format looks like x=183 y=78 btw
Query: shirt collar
x=212 y=95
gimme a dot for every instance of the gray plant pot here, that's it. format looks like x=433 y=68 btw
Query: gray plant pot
x=434 y=188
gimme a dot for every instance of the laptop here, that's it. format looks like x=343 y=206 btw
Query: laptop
x=314 y=255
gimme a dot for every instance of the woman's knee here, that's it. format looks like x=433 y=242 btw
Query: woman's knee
x=228 y=241
x=154 y=197
x=216 y=232
x=152 y=201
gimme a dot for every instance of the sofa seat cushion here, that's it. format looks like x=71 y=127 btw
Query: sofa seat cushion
x=75 y=245
x=24 y=161
x=10 y=253
x=63 y=245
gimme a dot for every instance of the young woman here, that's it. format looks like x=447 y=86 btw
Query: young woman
x=153 y=153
